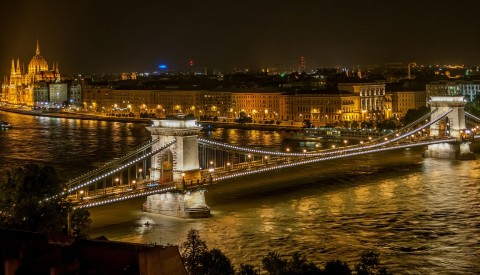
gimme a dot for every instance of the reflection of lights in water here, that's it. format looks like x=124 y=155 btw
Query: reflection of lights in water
x=267 y=215
x=335 y=203
x=387 y=189
x=362 y=194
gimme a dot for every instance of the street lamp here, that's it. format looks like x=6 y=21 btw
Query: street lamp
x=116 y=181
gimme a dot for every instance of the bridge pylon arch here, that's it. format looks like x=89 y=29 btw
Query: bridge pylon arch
x=452 y=125
x=185 y=161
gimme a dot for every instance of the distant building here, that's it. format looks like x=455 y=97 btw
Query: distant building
x=259 y=104
x=19 y=87
x=372 y=99
x=75 y=93
x=468 y=89
x=320 y=107
x=405 y=95
x=58 y=94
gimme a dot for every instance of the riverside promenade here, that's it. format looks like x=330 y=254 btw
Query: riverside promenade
x=74 y=115
x=206 y=125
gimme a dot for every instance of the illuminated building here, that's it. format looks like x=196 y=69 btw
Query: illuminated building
x=158 y=103
x=372 y=98
x=257 y=103
x=402 y=101
x=320 y=108
x=19 y=87
x=468 y=89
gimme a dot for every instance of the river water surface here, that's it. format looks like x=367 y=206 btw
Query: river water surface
x=422 y=215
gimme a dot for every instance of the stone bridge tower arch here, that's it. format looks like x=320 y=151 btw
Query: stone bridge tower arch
x=453 y=125
x=184 y=152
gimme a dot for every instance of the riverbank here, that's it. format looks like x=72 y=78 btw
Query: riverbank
x=74 y=115
x=207 y=125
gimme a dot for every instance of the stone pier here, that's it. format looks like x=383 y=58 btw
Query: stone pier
x=181 y=204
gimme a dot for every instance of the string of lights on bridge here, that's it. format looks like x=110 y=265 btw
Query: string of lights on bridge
x=128 y=164
x=111 y=163
x=308 y=161
x=115 y=170
x=426 y=116
x=323 y=153
x=132 y=196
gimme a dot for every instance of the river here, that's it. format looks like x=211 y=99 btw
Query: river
x=422 y=215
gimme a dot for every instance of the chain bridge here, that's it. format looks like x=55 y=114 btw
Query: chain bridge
x=176 y=166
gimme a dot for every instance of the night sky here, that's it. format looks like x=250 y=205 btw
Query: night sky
x=101 y=36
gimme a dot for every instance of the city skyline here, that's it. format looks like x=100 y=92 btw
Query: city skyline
x=114 y=36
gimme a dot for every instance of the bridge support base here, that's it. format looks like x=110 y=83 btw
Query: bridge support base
x=181 y=204
x=459 y=151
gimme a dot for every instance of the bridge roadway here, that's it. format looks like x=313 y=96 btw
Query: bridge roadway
x=146 y=188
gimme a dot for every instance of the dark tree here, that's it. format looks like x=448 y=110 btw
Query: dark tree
x=191 y=251
x=299 y=265
x=80 y=221
x=274 y=264
x=473 y=106
x=370 y=264
x=414 y=114
x=246 y=269
x=28 y=200
x=336 y=267
x=214 y=262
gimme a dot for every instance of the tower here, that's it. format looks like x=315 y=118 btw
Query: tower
x=181 y=161
x=452 y=125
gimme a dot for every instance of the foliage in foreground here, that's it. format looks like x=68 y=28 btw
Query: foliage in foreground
x=199 y=260
x=23 y=203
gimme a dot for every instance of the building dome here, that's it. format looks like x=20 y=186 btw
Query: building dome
x=38 y=63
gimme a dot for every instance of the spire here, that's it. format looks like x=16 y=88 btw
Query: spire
x=38 y=48
x=12 y=71
x=18 y=66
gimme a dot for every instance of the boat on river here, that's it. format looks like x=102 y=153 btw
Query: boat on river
x=5 y=125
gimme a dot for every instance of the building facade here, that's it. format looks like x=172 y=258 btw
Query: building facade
x=372 y=99
x=24 y=86
x=468 y=89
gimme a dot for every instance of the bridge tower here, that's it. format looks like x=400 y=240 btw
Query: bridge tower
x=182 y=157
x=452 y=125
x=180 y=164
